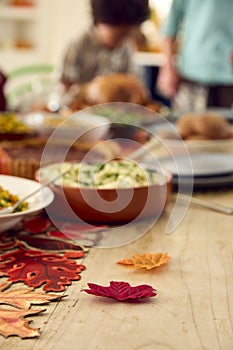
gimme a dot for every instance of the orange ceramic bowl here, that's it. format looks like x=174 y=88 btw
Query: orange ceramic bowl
x=109 y=206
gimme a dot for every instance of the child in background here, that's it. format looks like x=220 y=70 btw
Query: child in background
x=108 y=45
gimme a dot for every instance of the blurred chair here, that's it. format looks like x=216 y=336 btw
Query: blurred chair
x=29 y=86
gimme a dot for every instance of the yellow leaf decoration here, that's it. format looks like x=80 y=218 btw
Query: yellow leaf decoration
x=12 y=322
x=23 y=298
x=147 y=260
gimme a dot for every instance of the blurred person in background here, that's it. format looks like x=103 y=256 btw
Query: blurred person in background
x=107 y=46
x=198 y=48
x=2 y=94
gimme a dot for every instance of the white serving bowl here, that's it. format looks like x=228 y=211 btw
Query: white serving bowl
x=22 y=187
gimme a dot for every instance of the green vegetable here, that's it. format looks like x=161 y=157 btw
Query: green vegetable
x=109 y=175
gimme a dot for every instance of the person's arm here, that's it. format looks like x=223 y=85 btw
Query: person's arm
x=67 y=80
x=71 y=66
x=168 y=77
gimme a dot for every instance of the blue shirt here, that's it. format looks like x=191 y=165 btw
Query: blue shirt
x=205 y=28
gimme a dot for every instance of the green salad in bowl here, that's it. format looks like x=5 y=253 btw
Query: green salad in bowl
x=115 y=191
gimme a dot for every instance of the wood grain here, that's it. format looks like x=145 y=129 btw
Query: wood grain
x=194 y=306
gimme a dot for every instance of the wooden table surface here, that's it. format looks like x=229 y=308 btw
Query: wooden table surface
x=194 y=306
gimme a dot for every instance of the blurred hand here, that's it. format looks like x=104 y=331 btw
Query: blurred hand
x=168 y=81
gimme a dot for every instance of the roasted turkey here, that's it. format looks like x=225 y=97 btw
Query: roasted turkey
x=117 y=87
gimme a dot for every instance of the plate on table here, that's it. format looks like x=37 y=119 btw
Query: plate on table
x=226 y=113
x=81 y=125
x=208 y=169
x=128 y=114
x=170 y=138
x=128 y=120
x=21 y=187
x=209 y=130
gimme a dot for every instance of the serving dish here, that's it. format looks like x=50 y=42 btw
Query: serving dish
x=22 y=187
x=174 y=142
x=127 y=114
x=81 y=126
x=12 y=128
x=222 y=145
x=128 y=120
x=108 y=205
x=226 y=113
x=23 y=158
x=199 y=131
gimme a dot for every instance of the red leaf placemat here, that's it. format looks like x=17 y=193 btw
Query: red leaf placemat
x=35 y=268
x=37 y=224
x=51 y=245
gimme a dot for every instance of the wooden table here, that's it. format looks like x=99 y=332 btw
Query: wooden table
x=194 y=306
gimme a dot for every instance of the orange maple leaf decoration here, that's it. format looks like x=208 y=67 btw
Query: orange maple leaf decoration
x=23 y=298
x=147 y=260
x=12 y=322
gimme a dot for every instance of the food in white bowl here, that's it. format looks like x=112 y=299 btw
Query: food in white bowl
x=8 y=199
x=21 y=187
x=112 y=192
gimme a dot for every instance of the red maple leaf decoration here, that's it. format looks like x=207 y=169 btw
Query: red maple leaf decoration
x=7 y=246
x=52 y=245
x=121 y=291
x=34 y=268
x=37 y=224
